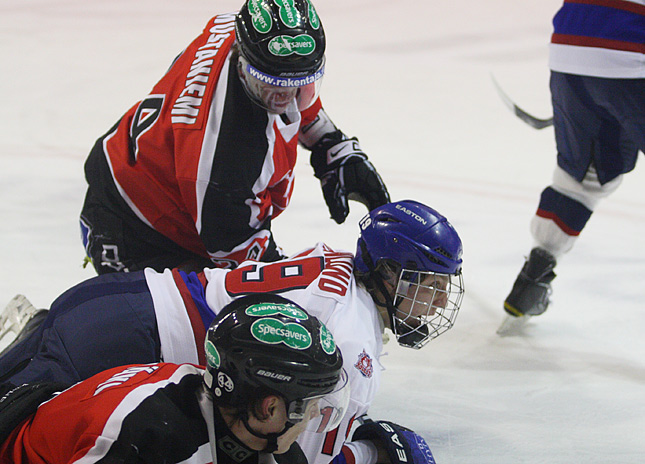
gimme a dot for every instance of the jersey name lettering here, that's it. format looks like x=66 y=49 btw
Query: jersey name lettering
x=124 y=376
x=189 y=103
x=337 y=274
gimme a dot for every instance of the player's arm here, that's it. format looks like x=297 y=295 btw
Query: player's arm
x=344 y=171
x=383 y=442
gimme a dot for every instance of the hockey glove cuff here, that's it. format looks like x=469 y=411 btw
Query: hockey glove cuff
x=345 y=174
x=403 y=446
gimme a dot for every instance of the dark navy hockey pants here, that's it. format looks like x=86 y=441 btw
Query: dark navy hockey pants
x=103 y=322
x=598 y=121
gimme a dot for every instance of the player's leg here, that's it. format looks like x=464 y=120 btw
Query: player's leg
x=586 y=135
x=17 y=320
x=104 y=322
x=114 y=237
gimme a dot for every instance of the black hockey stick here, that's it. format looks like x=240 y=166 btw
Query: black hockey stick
x=531 y=120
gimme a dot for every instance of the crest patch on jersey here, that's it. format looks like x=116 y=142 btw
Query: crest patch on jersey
x=364 y=364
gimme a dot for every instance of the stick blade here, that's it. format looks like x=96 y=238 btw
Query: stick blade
x=529 y=119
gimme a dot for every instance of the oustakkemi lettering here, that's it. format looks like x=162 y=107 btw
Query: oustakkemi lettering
x=189 y=103
x=124 y=376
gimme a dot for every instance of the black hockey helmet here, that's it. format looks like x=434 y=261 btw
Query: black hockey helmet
x=266 y=344
x=282 y=52
x=284 y=38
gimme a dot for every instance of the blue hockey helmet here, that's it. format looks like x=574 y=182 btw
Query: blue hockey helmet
x=412 y=235
x=417 y=252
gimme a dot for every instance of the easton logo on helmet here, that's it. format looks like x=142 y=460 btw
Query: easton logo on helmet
x=327 y=340
x=260 y=16
x=411 y=213
x=272 y=309
x=285 y=45
x=212 y=355
x=273 y=331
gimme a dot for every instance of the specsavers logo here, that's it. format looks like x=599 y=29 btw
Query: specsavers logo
x=272 y=309
x=273 y=331
x=314 y=20
x=288 y=12
x=327 y=340
x=285 y=45
x=212 y=355
x=260 y=16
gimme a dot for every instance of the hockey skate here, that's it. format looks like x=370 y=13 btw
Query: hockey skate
x=529 y=296
x=13 y=319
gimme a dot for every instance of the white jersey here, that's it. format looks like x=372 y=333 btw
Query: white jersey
x=599 y=38
x=318 y=279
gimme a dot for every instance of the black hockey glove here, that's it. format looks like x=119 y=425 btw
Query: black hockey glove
x=346 y=173
x=403 y=446
x=21 y=402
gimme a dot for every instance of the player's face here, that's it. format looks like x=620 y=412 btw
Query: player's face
x=286 y=440
x=277 y=100
x=421 y=298
x=426 y=305
x=279 y=94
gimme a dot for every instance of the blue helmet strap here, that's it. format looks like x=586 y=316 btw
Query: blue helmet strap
x=376 y=277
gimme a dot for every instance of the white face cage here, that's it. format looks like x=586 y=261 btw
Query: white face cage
x=426 y=305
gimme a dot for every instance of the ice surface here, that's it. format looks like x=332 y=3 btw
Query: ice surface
x=412 y=80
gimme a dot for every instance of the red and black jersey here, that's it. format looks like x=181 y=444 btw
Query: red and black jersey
x=147 y=413
x=200 y=163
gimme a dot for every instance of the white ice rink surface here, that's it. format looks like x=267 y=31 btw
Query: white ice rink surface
x=411 y=79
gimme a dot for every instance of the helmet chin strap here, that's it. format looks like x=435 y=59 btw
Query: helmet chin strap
x=272 y=438
x=378 y=280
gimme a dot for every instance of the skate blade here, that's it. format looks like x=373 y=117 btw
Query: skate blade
x=15 y=316
x=512 y=326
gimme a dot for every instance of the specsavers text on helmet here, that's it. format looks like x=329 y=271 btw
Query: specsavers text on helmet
x=281 y=59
